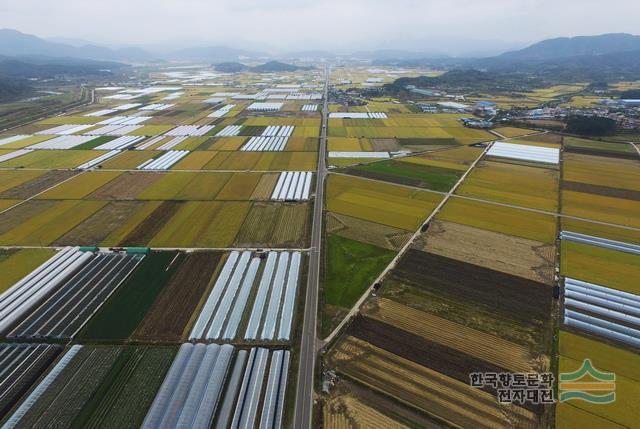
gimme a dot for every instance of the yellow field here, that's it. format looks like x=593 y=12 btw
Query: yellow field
x=378 y=202
x=599 y=230
x=603 y=171
x=52 y=159
x=513 y=184
x=80 y=186
x=513 y=132
x=348 y=412
x=13 y=178
x=569 y=416
x=129 y=160
x=5 y=204
x=45 y=227
x=624 y=410
x=21 y=263
x=506 y=220
x=120 y=233
x=240 y=186
x=151 y=130
x=423 y=388
x=487 y=347
x=601 y=266
x=194 y=161
x=203 y=224
x=597 y=207
x=25 y=142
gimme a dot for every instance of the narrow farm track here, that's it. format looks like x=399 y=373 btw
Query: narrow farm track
x=303 y=416
x=354 y=310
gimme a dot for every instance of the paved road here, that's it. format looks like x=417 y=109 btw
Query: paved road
x=304 y=395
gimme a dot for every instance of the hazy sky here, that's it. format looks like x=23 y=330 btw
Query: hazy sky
x=425 y=25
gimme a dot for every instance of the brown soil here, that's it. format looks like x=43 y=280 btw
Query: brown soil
x=520 y=299
x=37 y=185
x=126 y=186
x=172 y=310
x=97 y=227
x=606 y=191
x=600 y=152
x=512 y=255
x=147 y=229
x=385 y=145
x=438 y=357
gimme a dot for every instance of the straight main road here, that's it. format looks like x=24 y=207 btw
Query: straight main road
x=304 y=395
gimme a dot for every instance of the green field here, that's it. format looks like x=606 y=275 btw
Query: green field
x=437 y=179
x=125 y=309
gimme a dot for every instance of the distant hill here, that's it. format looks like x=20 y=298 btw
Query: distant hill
x=46 y=67
x=230 y=67
x=13 y=89
x=269 y=67
x=213 y=54
x=564 y=47
x=15 y=43
x=277 y=66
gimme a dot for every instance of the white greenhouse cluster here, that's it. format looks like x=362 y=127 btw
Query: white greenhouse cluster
x=56 y=299
x=62 y=142
x=190 y=130
x=265 y=107
x=41 y=388
x=148 y=143
x=218 y=386
x=172 y=143
x=114 y=130
x=229 y=131
x=124 y=120
x=602 y=311
x=120 y=143
x=13 y=139
x=97 y=161
x=357 y=115
x=103 y=112
x=545 y=155
x=273 y=138
x=271 y=313
x=600 y=242
x=221 y=111
x=292 y=186
x=309 y=108
x=164 y=161
x=65 y=130
x=157 y=106
x=14 y=154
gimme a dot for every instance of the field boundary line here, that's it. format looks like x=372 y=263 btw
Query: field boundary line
x=356 y=307
x=42 y=192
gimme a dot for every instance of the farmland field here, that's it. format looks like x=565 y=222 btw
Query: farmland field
x=15 y=264
x=127 y=307
x=601 y=266
x=438 y=179
x=387 y=204
x=513 y=184
x=367 y=232
x=505 y=220
x=513 y=255
x=423 y=388
x=168 y=317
